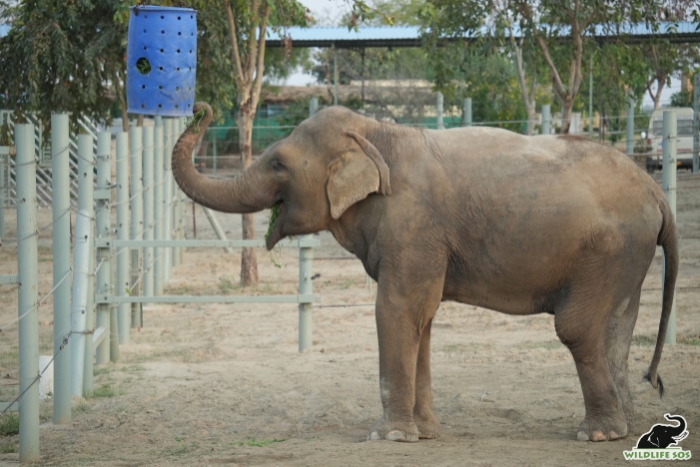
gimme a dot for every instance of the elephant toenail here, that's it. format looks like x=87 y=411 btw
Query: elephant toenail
x=374 y=436
x=582 y=436
x=395 y=435
x=614 y=435
x=598 y=436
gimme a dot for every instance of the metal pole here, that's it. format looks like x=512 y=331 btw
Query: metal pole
x=181 y=201
x=630 y=124
x=335 y=75
x=174 y=196
x=148 y=216
x=213 y=137
x=467 y=112
x=123 y=227
x=158 y=271
x=60 y=186
x=136 y=224
x=306 y=257
x=3 y=193
x=696 y=122
x=546 y=120
x=669 y=186
x=590 y=99
x=104 y=148
x=167 y=194
x=439 y=107
x=220 y=234
x=28 y=297
x=103 y=199
x=81 y=266
x=82 y=275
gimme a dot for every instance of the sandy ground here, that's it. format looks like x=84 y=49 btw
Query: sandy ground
x=225 y=384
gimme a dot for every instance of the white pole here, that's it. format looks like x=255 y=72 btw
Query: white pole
x=79 y=311
x=669 y=186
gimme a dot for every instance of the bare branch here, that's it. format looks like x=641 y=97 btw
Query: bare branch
x=252 y=43
x=261 y=56
x=234 y=43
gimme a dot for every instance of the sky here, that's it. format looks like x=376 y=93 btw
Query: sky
x=329 y=13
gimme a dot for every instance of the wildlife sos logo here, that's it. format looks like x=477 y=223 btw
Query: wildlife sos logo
x=661 y=442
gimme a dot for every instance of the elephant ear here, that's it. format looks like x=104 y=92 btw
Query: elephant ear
x=352 y=177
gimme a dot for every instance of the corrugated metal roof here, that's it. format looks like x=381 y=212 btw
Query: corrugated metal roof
x=410 y=36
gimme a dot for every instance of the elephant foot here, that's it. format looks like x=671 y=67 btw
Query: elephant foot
x=393 y=431
x=428 y=426
x=608 y=430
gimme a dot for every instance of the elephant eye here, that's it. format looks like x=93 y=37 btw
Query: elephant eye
x=278 y=166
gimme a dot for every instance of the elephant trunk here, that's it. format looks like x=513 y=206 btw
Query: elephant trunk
x=681 y=424
x=243 y=194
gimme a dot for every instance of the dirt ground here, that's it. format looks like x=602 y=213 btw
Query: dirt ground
x=225 y=384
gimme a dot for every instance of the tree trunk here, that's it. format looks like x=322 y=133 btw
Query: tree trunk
x=249 y=261
x=567 y=106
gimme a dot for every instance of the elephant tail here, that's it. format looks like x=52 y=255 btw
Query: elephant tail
x=668 y=239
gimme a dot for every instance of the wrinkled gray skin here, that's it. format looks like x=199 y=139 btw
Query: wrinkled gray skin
x=517 y=224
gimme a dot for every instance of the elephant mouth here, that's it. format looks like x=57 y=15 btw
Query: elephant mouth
x=274 y=230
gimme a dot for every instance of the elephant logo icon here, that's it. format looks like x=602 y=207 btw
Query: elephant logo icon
x=661 y=442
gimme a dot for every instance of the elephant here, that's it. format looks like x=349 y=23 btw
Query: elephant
x=482 y=216
x=662 y=436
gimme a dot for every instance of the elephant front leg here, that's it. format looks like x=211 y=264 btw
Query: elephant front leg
x=403 y=313
x=423 y=416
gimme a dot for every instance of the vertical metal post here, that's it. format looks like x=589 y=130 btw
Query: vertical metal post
x=669 y=185
x=81 y=272
x=136 y=139
x=630 y=124
x=439 y=108
x=180 y=203
x=306 y=257
x=590 y=99
x=60 y=186
x=148 y=216
x=696 y=122
x=27 y=261
x=3 y=192
x=546 y=120
x=175 y=215
x=213 y=147
x=467 y=112
x=159 y=231
x=103 y=199
x=167 y=195
x=82 y=275
x=335 y=75
x=104 y=149
x=123 y=284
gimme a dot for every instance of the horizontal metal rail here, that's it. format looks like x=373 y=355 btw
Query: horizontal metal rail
x=9 y=279
x=111 y=299
x=9 y=406
x=114 y=243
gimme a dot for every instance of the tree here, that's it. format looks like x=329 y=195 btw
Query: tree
x=560 y=30
x=64 y=57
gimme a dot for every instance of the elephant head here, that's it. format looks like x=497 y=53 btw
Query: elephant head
x=661 y=436
x=313 y=175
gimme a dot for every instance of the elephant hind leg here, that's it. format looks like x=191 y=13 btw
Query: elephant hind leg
x=582 y=327
x=617 y=346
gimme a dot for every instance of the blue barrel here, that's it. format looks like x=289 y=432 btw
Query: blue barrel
x=161 y=61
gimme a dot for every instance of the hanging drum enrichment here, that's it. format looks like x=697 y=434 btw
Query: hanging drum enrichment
x=161 y=61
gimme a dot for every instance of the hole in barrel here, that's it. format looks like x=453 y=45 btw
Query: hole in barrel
x=143 y=66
